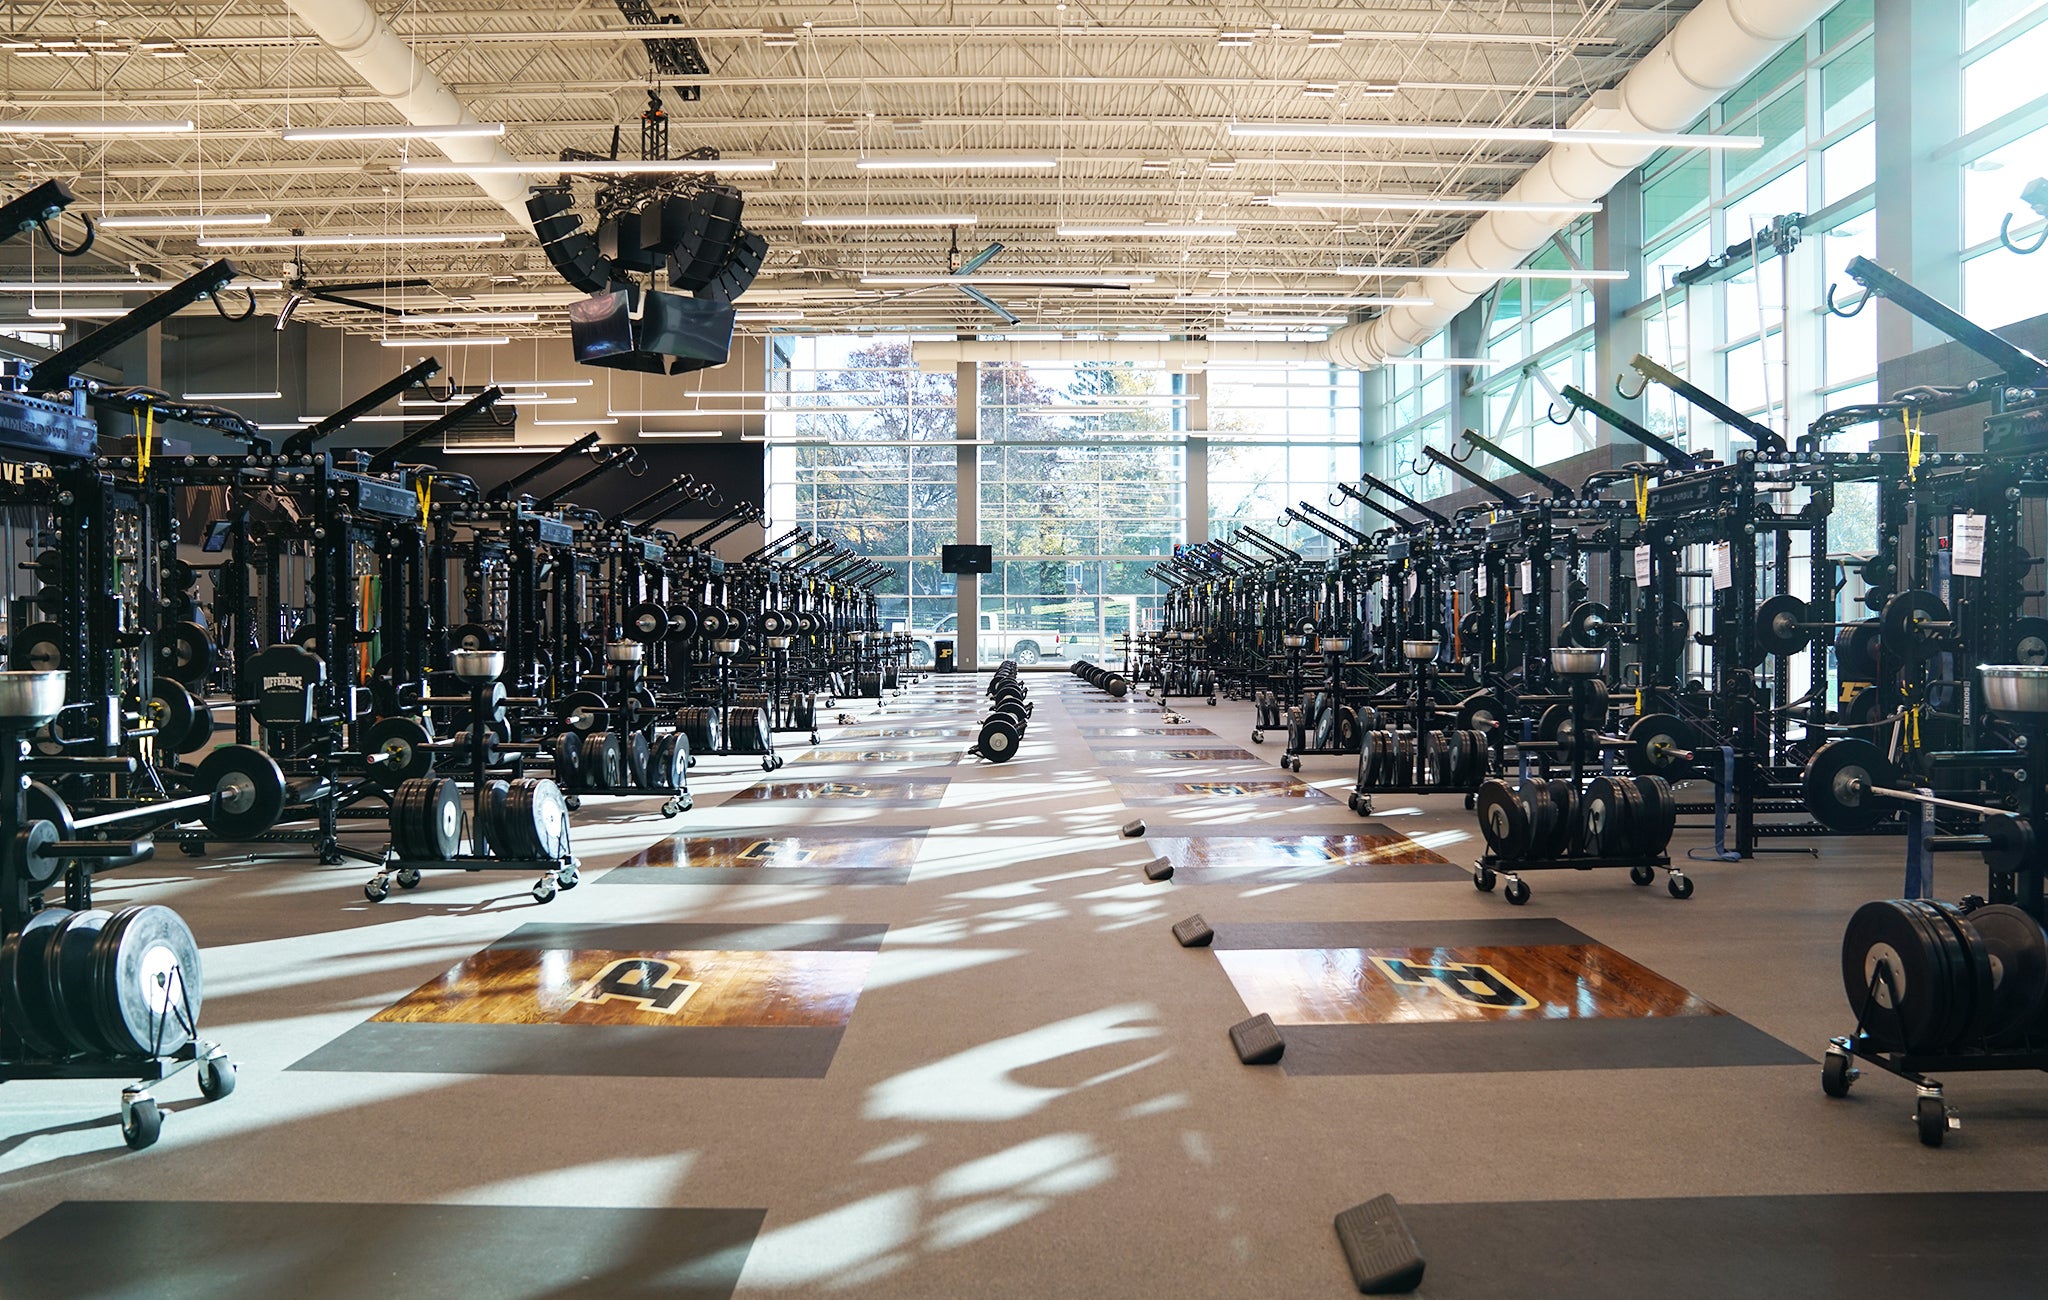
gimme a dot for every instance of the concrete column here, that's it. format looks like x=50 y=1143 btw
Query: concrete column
x=1618 y=336
x=1197 y=390
x=1919 y=195
x=967 y=513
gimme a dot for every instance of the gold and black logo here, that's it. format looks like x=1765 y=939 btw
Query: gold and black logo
x=773 y=851
x=1481 y=986
x=648 y=982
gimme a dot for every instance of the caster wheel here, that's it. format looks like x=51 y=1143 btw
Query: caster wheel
x=1836 y=1074
x=671 y=808
x=1642 y=875
x=1471 y=802
x=142 y=1123
x=573 y=802
x=767 y=765
x=543 y=892
x=831 y=704
x=814 y=738
x=192 y=848
x=686 y=804
x=377 y=890
x=1258 y=737
x=1212 y=701
x=1365 y=806
x=1352 y=803
x=216 y=1077
x=1930 y=1116
x=1680 y=886
x=1484 y=880
x=408 y=879
x=568 y=878
x=1517 y=892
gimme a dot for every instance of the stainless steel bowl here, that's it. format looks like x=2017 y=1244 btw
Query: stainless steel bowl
x=1577 y=661
x=1293 y=640
x=726 y=646
x=779 y=642
x=625 y=652
x=478 y=665
x=1418 y=651
x=1334 y=645
x=2016 y=690
x=33 y=698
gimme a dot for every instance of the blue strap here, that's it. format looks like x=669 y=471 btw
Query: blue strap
x=1723 y=792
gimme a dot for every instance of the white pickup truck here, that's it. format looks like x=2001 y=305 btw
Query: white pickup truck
x=997 y=643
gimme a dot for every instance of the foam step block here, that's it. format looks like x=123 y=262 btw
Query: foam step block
x=1381 y=1251
x=1193 y=932
x=1132 y=830
x=1159 y=869
x=1257 y=1040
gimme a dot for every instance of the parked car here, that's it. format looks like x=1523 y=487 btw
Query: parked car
x=1026 y=646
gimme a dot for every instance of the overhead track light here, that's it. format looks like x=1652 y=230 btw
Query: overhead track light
x=354 y=241
x=447 y=341
x=1494 y=134
x=955 y=162
x=1457 y=273
x=597 y=167
x=1424 y=203
x=890 y=219
x=1051 y=280
x=451 y=131
x=1161 y=231
x=194 y=221
x=107 y=126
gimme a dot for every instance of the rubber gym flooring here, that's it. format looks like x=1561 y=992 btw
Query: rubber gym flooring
x=892 y=1022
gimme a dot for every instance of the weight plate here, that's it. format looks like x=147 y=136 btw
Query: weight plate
x=546 y=819
x=1603 y=819
x=148 y=987
x=998 y=739
x=68 y=969
x=1535 y=797
x=471 y=636
x=711 y=624
x=1638 y=827
x=774 y=623
x=1483 y=711
x=1503 y=821
x=441 y=821
x=1969 y=973
x=567 y=747
x=1326 y=725
x=1904 y=629
x=24 y=985
x=1661 y=742
x=38 y=649
x=584 y=711
x=2028 y=642
x=249 y=789
x=1782 y=625
x=1837 y=781
x=638 y=756
x=496 y=794
x=682 y=623
x=1856 y=651
x=1564 y=818
x=1660 y=812
x=1910 y=1007
x=646 y=622
x=1589 y=625
x=603 y=760
x=2012 y=843
x=2018 y=951
x=402 y=743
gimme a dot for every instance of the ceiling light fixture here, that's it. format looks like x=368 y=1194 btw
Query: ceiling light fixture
x=195 y=221
x=108 y=126
x=1051 y=280
x=472 y=318
x=451 y=131
x=1300 y=300
x=448 y=341
x=590 y=420
x=1456 y=273
x=1161 y=231
x=836 y=219
x=353 y=241
x=77 y=313
x=233 y=397
x=597 y=167
x=1424 y=203
x=954 y=162
x=1494 y=134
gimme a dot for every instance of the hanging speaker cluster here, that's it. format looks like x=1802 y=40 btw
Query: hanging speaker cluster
x=696 y=237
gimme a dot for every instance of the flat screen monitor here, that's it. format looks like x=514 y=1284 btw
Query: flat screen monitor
x=601 y=325
x=966 y=559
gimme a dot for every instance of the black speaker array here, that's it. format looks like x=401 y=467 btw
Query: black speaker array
x=573 y=253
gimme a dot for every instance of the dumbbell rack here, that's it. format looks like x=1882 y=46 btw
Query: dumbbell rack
x=479 y=669
x=625 y=658
x=1582 y=667
x=25 y=706
x=1421 y=658
x=2006 y=840
x=1269 y=714
x=1330 y=702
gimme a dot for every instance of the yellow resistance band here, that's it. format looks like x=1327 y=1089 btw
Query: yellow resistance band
x=148 y=440
x=1642 y=498
x=1913 y=444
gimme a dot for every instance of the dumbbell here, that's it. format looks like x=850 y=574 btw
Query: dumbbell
x=1001 y=731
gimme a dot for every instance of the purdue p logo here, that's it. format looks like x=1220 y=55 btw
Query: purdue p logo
x=1482 y=986
x=774 y=851
x=647 y=982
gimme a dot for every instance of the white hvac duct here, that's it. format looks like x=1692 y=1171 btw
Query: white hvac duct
x=939 y=356
x=352 y=29
x=1709 y=53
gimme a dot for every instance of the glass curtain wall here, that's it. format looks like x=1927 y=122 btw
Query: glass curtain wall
x=1278 y=437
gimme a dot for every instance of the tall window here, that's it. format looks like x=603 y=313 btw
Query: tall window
x=1278 y=437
